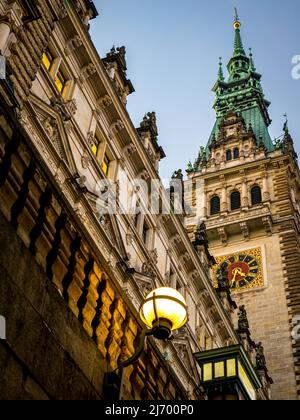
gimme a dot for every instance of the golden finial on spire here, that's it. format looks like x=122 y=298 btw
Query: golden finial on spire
x=237 y=24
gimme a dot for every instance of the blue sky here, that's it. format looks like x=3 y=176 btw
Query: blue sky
x=172 y=56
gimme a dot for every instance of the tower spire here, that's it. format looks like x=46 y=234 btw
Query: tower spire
x=221 y=77
x=238 y=43
x=251 y=64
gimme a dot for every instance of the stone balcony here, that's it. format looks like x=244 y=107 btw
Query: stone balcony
x=240 y=222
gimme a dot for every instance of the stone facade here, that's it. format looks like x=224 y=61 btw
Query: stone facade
x=73 y=278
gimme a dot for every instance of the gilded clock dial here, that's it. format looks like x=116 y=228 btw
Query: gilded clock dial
x=243 y=270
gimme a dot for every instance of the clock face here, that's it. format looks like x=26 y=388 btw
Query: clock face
x=244 y=269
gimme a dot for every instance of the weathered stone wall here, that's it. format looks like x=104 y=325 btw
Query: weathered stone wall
x=47 y=354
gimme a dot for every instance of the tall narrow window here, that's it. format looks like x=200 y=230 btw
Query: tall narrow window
x=215 y=205
x=256 y=196
x=60 y=82
x=137 y=218
x=52 y=65
x=48 y=60
x=236 y=153
x=235 y=200
x=96 y=146
x=106 y=164
x=145 y=233
x=228 y=155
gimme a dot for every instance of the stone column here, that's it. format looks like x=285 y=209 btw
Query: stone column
x=224 y=205
x=266 y=194
x=245 y=199
x=4 y=35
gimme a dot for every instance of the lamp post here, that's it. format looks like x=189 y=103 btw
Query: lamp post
x=164 y=310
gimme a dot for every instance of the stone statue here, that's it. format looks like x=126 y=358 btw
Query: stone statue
x=260 y=356
x=178 y=175
x=189 y=167
x=150 y=122
x=243 y=318
x=222 y=277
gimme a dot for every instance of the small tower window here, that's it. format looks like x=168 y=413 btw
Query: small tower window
x=256 y=196
x=215 y=205
x=235 y=200
x=236 y=153
x=228 y=155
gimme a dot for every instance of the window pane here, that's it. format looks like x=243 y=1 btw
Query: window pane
x=246 y=382
x=105 y=164
x=60 y=82
x=145 y=233
x=215 y=205
x=228 y=155
x=219 y=370
x=236 y=153
x=235 y=200
x=47 y=60
x=207 y=372
x=95 y=147
x=231 y=367
x=256 y=196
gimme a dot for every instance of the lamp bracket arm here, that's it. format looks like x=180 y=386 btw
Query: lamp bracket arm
x=145 y=333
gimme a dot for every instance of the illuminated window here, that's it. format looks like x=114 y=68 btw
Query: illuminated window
x=96 y=146
x=231 y=367
x=106 y=164
x=48 y=60
x=219 y=370
x=207 y=372
x=60 y=82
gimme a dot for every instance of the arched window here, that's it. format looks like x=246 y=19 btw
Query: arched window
x=235 y=200
x=215 y=205
x=256 y=197
x=228 y=155
x=236 y=153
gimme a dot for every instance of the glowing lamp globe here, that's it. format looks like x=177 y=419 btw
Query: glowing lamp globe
x=163 y=311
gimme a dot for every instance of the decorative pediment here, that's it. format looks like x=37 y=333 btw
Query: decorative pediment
x=185 y=353
x=54 y=130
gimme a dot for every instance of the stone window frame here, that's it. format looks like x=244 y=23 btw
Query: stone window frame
x=251 y=186
x=232 y=191
x=103 y=150
x=216 y=195
x=56 y=67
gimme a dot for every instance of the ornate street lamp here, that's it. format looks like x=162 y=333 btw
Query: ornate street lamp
x=164 y=310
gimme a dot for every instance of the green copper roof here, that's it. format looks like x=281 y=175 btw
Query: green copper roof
x=242 y=93
x=253 y=119
x=238 y=44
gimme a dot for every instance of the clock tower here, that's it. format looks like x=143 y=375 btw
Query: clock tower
x=246 y=188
